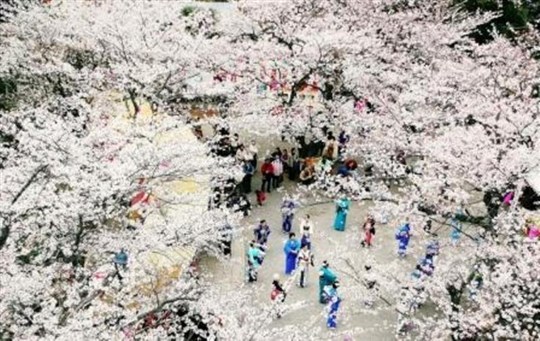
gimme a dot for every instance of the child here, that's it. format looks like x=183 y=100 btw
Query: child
x=261 y=197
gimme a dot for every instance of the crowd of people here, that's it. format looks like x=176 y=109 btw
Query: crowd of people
x=308 y=164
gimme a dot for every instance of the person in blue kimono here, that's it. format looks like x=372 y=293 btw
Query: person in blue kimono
x=262 y=231
x=288 y=208
x=334 y=302
x=326 y=278
x=403 y=236
x=342 y=209
x=292 y=246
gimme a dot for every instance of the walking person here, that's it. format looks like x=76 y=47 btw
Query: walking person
x=267 y=171
x=342 y=210
x=369 y=231
x=326 y=278
x=292 y=246
x=334 y=302
x=305 y=259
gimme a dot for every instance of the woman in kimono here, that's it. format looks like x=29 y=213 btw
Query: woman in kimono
x=292 y=246
x=288 y=208
x=305 y=259
x=369 y=231
x=333 y=306
x=306 y=229
x=342 y=209
x=326 y=278
x=403 y=235
x=255 y=257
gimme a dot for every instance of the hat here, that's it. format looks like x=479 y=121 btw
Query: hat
x=276 y=277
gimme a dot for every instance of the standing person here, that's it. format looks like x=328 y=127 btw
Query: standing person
x=286 y=161
x=334 y=302
x=267 y=171
x=342 y=209
x=262 y=232
x=326 y=277
x=277 y=167
x=253 y=151
x=242 y=154
x=248 y=175
x=331 y=149
x=278 y=294
x=369 y=230
x=305 y=259
x=306 y=229
x=288 y=208
x=295 y=165
x=403 y=236
x=226 y=239
x=255 y=257
x=292 y=246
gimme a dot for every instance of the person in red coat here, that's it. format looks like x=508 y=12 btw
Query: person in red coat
x=267 y=171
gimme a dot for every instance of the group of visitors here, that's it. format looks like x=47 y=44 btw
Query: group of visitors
x=298 y=260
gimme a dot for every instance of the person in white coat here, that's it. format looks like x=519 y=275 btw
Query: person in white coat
x=305 y=260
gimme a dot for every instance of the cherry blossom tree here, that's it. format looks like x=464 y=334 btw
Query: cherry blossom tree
x=83 y=178
x=443 y=122
x=451 y=122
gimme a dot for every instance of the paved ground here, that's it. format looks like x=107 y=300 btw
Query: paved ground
x=303 y=309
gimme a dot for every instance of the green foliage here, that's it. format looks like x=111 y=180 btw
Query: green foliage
x=188 y=10
x=8 y=92
x=80 y=59
x=514 y=18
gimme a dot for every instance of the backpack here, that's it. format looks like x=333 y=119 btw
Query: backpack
x=372 y=231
